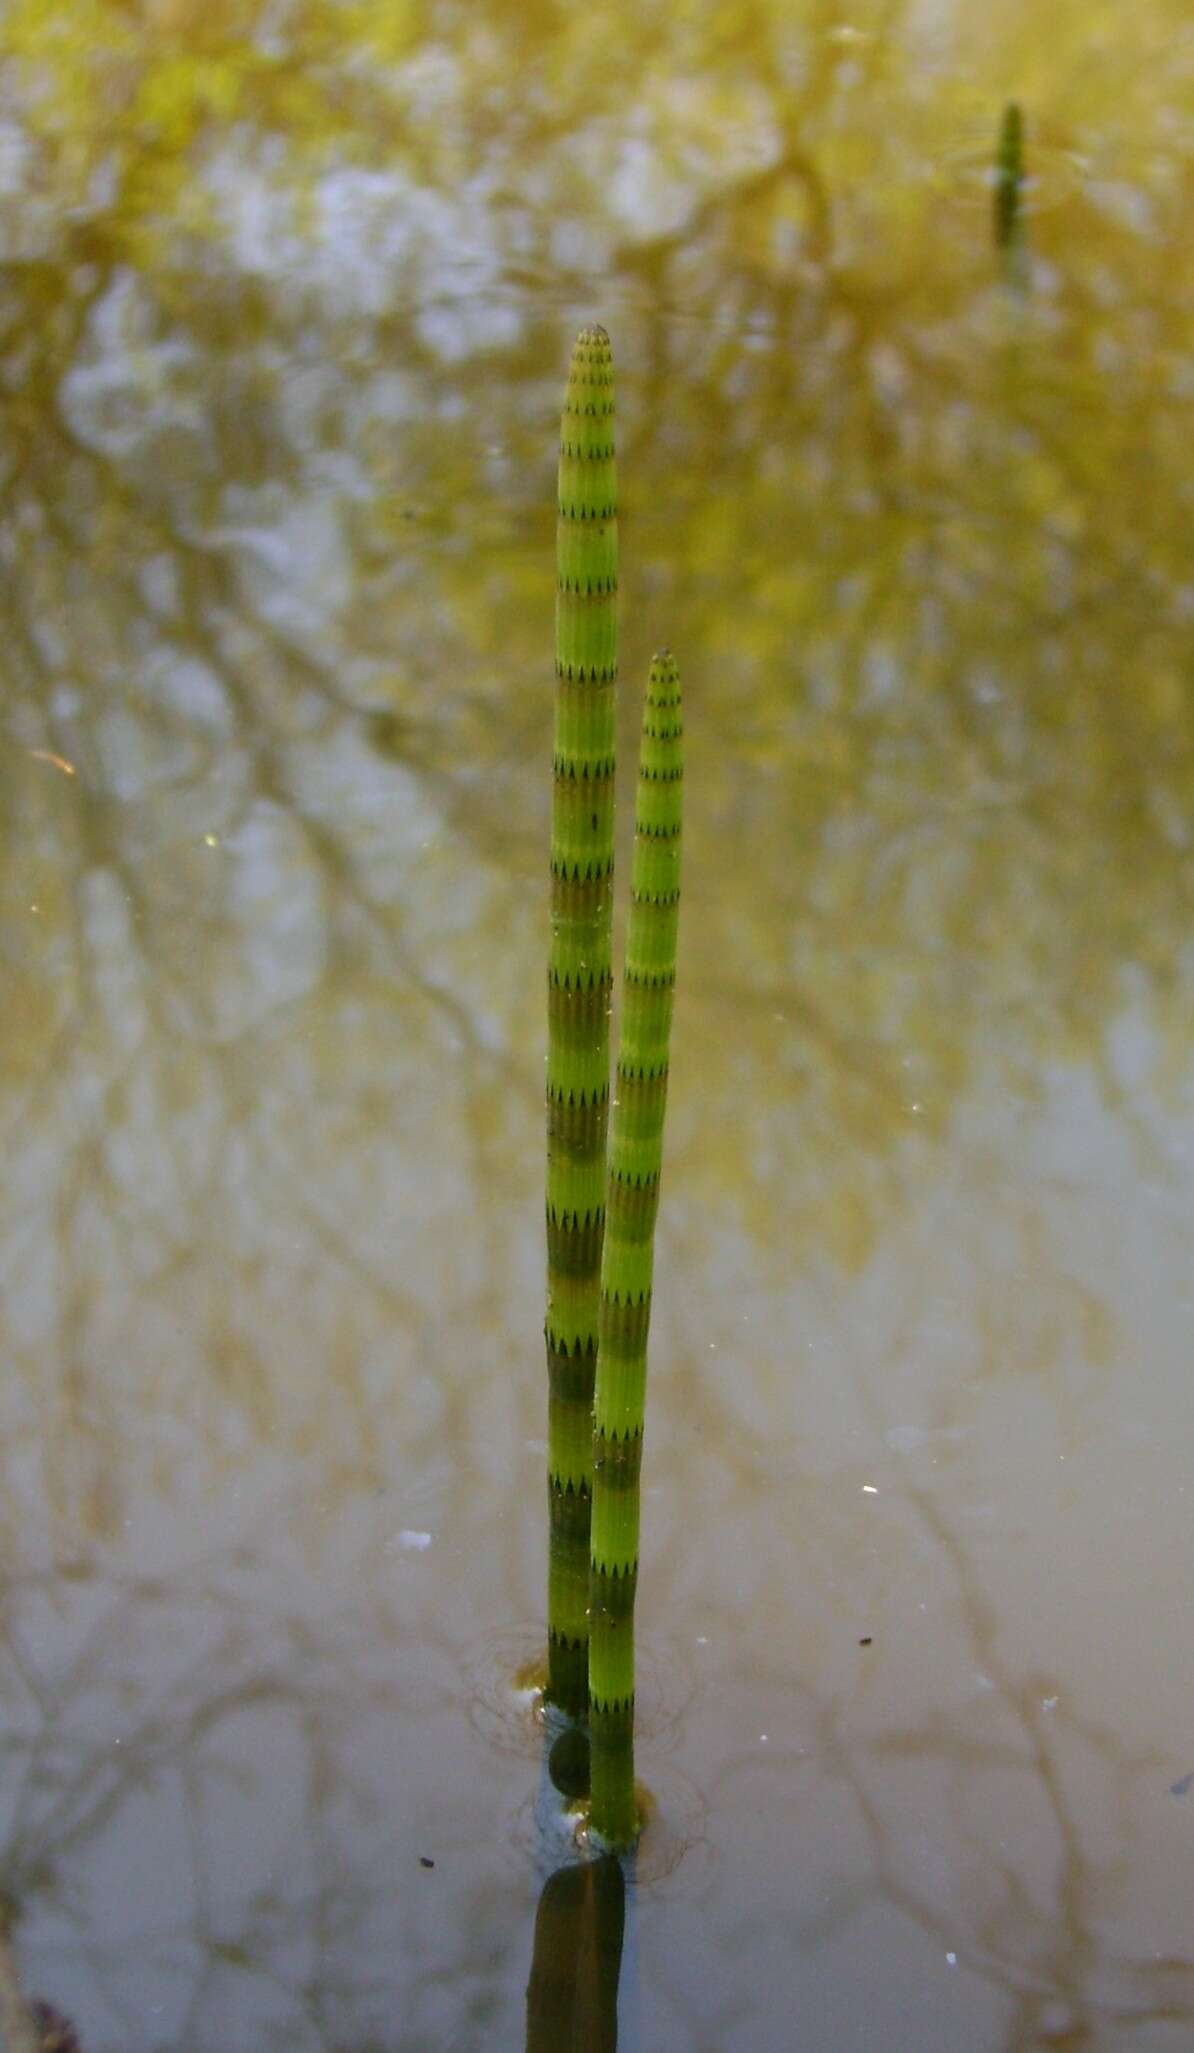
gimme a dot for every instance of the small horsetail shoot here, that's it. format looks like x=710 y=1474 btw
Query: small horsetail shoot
x=1008 y=202
x=635 y=1162
x=579 y=983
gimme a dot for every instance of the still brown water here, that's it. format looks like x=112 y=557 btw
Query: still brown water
x=286 y=304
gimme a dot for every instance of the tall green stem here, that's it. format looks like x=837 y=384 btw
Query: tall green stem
x=579 y=979
x=635 y=1161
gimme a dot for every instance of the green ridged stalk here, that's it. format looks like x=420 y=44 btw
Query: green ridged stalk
x=635 y=1161
x=579 y=980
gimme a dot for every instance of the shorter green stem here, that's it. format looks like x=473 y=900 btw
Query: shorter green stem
x=632 y=1200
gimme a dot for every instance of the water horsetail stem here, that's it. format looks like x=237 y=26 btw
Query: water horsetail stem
x=635 y=1160
x=579 y=978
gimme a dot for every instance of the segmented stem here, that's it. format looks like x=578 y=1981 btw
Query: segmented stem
x=579 y=978
x=635 y=1161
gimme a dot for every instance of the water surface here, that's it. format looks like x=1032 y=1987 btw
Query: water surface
x=288 y=295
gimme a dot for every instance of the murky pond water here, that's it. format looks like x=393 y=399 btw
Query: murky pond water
x=288 y=294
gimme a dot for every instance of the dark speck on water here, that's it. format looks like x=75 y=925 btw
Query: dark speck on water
x=1182 y=1787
